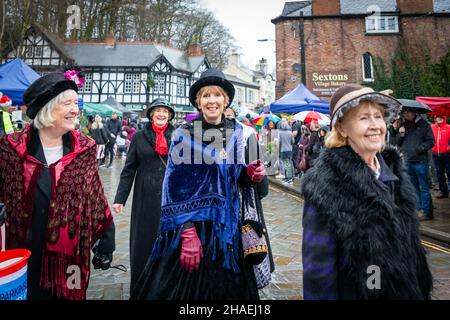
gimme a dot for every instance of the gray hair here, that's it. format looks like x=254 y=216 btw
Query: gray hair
x=152 y=112
x=44 y=117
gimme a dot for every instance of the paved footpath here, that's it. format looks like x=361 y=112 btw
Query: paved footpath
x=283 y=218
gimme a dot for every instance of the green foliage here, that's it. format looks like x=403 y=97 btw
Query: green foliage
x=436 y=82
x=151 y=83
x=410 y=78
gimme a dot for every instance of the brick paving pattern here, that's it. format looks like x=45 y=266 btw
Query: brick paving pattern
x=283 y=213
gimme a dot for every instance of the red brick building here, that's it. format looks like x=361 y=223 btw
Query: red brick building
x=341 y=37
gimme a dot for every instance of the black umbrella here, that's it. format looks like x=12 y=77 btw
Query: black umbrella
x=414 y=106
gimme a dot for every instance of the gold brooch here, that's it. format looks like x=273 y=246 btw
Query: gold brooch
x=223 y=154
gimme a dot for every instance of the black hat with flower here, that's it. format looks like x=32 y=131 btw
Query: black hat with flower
x=47 y=87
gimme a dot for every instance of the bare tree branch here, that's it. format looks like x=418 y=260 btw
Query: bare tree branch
x=178 y=23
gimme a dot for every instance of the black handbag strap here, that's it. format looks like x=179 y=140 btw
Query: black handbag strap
x=2 y=214
x=251 y=192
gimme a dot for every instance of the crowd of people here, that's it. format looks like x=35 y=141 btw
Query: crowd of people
x=199 y=185
x=423 y=141
x=112 y=136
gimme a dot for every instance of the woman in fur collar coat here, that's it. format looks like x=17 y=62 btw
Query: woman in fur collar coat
x=361 y=234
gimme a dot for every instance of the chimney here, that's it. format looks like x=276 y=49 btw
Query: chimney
x=262 y=66
x=194 y=50
x=234 y=59
x=110 y=40
x=415 y=6
x=326 y=7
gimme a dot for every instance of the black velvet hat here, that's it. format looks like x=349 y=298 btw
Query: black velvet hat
x=211 y=77
x=47 y=87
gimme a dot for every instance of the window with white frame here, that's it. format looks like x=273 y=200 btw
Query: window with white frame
x=250 y=96
x=136 y=83
x=38 y=51
x=181 y=86
x=240 y=95
x=382 y=24
x=128 y=83
x=160 y=82
x=28 y=51
x=367 y=67
x=87 y=87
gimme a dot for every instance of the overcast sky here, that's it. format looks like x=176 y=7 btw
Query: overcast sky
x=248 y=21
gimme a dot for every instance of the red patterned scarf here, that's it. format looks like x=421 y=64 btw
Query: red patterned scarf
x=161 y=143
x=78 y=212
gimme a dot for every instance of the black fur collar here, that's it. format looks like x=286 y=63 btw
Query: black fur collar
x=371 y=226
x=343 y=175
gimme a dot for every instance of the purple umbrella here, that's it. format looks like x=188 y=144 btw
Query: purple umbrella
x=191 y=116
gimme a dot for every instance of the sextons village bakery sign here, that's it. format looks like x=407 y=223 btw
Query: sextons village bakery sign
x=324 y=84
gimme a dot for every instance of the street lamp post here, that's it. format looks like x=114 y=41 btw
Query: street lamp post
x=302 y=49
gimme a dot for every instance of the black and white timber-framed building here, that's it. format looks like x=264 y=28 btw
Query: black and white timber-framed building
x=133 y=73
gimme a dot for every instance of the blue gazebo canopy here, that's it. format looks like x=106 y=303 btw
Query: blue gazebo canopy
x=300 y=99
x=15 y=78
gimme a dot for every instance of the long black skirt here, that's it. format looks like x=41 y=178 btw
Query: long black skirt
x=165 y=279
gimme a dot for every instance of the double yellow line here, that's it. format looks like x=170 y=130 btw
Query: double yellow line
x=425 y=243
x=435 y=247
x=277 y=189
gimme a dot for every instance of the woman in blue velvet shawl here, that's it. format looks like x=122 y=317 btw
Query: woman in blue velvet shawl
x=198 y=253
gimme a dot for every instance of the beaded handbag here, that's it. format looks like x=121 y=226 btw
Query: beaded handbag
x=254 y=241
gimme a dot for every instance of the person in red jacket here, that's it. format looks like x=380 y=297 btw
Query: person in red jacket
x=441 y=154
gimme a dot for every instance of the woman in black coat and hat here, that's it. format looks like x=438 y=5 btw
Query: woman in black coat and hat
x=146 y=164
x=198 y=254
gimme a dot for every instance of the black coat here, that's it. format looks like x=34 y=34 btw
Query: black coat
x=100 y=135
x=416 y=142
x=39 y=222
x=314 y=146
x=114 y=127
x=146 y=166
x=36 y=241
x=164 y=279
x=353 y=221
x=2 y=128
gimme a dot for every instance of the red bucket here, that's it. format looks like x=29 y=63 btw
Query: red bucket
x=13 y=274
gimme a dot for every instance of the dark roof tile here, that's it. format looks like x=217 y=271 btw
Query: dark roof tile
x=293 y=8
x=362 y=6
x=441 y=6
x=122 y=54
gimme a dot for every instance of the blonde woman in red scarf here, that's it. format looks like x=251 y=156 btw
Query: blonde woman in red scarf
x=145 y=165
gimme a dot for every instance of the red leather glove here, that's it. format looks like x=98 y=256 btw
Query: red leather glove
x=191 y=250
x=256 y=171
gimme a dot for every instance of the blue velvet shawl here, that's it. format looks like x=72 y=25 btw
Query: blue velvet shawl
x=201 y=184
